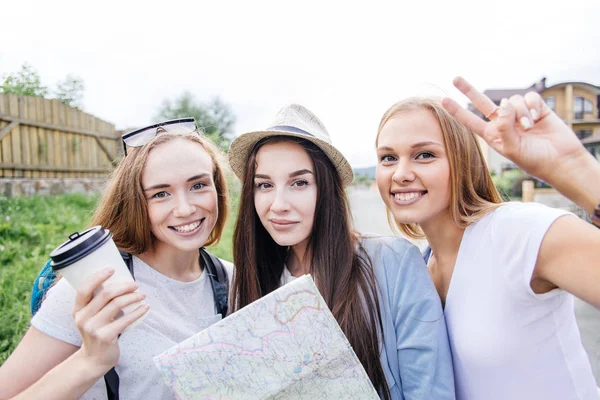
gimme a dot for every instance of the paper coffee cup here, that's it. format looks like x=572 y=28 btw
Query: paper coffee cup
x=87 y=252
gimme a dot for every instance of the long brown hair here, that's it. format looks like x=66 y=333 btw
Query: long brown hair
x=341 y=268
x=123 y=208
x=472 y=191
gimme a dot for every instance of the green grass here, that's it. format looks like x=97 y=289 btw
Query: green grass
x=30 y=228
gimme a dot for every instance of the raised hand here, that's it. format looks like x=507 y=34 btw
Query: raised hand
x=95 y=316
x=523 y=129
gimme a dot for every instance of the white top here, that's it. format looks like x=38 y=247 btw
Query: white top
x=286 y=276
x=177 y=311
x=508 y=342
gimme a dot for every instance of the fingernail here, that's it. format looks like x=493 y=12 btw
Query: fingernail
x=525 y=123
x=503 y=111
x=534 y=114
x=109 y=270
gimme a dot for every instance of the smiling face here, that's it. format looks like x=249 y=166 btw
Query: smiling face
x=182 y=200
x=285 y=192
x=413 y=171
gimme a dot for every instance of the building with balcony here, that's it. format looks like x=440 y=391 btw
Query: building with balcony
x=577 y=103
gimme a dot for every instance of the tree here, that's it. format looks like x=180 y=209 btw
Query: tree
x=70 y=91
x=362 y=179
x=509 y=184
x=26 y=82
x=215 y=117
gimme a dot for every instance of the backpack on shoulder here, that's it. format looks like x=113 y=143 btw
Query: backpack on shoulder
x=216 y=273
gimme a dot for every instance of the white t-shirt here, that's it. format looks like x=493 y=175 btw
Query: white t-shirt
x=508 y=342
x=177 y=311
x=286 y=276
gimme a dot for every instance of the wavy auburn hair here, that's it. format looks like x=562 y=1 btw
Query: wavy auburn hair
x=123 y=207
x=472 y=192
x=340 y=266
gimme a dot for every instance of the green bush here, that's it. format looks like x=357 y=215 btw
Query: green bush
x=509 y=184
x=30 y=228
x=363 y=179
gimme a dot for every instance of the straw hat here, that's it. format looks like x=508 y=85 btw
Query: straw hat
x=296 y=121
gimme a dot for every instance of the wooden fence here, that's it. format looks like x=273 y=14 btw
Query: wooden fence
x=45 y=138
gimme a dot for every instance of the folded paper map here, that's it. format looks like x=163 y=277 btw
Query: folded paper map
x=286 y=345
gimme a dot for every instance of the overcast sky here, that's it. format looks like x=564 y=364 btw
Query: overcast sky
x=346 y=61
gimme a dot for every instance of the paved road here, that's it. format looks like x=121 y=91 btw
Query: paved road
x=369 y=216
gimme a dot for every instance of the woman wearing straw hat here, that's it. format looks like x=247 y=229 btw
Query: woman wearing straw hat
x=294 y=219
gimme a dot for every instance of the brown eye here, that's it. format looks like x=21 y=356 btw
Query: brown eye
x=262 y=185
x=300 y=183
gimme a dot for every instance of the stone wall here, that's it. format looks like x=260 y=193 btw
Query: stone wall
x=50 y=186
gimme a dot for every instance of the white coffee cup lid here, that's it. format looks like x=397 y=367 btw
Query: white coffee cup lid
x=78 y=246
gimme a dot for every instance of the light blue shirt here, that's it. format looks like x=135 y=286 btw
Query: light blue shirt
x=416 y=356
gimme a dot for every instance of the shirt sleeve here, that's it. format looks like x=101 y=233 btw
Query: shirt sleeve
x=424 y=357
x=54 y=316
x=518 y=232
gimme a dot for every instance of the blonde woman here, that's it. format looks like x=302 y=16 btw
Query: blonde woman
x=505 y=271
x=166 y=200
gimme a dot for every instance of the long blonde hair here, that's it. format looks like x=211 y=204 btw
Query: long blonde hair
x=472 y=192
x=123 y=208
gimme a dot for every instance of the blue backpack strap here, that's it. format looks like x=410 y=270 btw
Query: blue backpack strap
x=47 y=277
x=111 y=378
x=218 y=280
x=42 y=283
x=128 y=258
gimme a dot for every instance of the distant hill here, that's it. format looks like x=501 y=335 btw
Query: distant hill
x=366 y=171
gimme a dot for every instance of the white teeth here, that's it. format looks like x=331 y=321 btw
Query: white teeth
x=187 y=228
x=407 y=196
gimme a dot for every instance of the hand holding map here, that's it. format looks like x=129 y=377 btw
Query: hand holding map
x=285 y=345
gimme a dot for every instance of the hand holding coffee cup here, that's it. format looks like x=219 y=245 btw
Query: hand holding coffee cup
x=87 y=253
x=95 y=310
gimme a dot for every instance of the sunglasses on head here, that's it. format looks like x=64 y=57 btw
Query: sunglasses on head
x=141 y=136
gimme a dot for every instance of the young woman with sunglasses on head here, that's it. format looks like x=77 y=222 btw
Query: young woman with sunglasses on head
x=505 y=271
x=294 y=219
x=166 y=200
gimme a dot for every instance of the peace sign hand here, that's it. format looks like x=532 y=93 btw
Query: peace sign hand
x=523 y=129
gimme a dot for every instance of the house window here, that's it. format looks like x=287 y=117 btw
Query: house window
x=551 y=103
x=582 y=106
x=594 y=149
x=584 y=133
